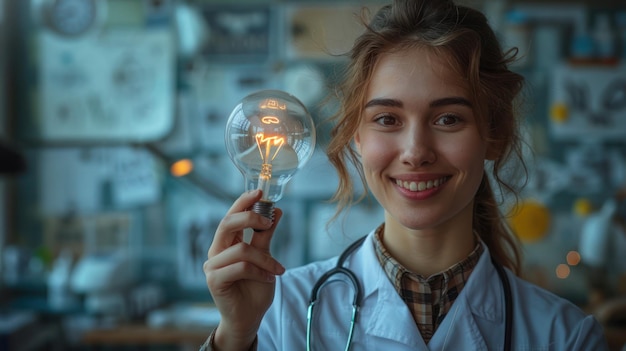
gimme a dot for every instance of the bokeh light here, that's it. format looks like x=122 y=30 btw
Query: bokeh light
x=181 y=168
x=562 y=271
x=573 y=258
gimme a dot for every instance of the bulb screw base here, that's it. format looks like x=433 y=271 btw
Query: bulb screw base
x=265 y=209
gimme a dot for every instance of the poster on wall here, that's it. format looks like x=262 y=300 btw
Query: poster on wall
x=239 y=33
x=87 y=180
x=321 y=31
x=588 y=103
x=195 y=229
x=116 y=86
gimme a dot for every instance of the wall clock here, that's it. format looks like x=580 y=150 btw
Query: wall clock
x=72 y=17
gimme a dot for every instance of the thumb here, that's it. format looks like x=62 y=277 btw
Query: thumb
x=262 y=239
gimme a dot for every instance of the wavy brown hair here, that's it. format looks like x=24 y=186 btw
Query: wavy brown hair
x=463 y=37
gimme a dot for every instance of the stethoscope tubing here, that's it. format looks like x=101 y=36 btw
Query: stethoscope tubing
x=324 y=279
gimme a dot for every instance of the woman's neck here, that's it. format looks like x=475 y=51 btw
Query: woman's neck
x=428 y=251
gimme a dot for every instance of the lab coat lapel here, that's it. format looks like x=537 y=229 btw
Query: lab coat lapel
x=476 y=319
x=459 y=331
x=391 y=319
x=383 y=314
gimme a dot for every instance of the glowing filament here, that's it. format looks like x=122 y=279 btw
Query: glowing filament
x=270 y=120
x=269 y=146
x=273 y=104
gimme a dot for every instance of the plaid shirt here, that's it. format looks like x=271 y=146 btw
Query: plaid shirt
x=429 y=299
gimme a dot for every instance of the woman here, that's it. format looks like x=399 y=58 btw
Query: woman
x=427 y=100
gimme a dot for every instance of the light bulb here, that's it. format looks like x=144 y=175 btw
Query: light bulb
x=269 y=136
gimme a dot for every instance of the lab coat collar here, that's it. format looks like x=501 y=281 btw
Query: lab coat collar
x=483 y=291
x=388 y=315
x=482 y=296
x=363 y=263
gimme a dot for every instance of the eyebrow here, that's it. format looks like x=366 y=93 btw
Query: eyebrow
x=384 y=103
x=453 y=100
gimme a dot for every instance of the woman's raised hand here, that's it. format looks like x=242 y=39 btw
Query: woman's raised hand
x=241 y=276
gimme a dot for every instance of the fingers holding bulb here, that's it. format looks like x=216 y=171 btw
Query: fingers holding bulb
x=263 y=237
x=239 y=217
x=241 y=262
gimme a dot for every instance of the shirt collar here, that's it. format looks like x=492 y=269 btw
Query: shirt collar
x=395 y=271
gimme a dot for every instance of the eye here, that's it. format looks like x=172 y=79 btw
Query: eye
x=447 y=120
x=386 y=120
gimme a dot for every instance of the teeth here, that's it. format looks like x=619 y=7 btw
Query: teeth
x=420 y=186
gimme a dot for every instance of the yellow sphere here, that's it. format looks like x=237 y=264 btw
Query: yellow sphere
x=530 y=220
x=559 y=113
x=583 y=207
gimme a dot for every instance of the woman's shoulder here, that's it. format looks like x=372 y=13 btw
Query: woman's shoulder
x=528 y=289
x=540 y=301
x=541 y=314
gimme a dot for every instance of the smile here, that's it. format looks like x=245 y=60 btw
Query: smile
x=421 y=186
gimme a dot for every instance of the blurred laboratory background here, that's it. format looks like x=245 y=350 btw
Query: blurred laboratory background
x=114 y=173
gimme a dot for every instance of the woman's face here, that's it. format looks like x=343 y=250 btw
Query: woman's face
x=419 y=141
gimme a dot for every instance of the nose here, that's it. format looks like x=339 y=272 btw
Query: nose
x=417 y=148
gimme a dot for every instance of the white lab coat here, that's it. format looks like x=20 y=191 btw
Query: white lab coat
x=541 y=320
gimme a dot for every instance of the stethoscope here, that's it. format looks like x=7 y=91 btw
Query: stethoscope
x=356 y=299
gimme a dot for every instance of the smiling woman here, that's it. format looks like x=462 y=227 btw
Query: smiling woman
x=418 y=127
x=427 y=99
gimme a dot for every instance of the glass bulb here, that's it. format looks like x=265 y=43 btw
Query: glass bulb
x=269 y=136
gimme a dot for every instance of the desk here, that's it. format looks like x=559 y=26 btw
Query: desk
x=139 y=334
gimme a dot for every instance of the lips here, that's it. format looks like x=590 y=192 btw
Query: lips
x=421 y=185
